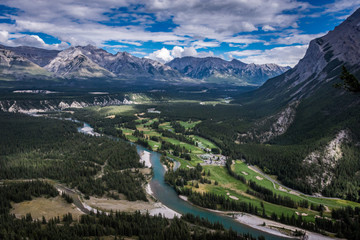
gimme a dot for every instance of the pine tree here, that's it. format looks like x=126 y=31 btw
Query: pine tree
x=350 y=83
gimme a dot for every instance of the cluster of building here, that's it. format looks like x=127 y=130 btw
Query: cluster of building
x=213 y=159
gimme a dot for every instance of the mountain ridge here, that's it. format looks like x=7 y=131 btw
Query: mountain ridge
x=73 y=63
x=321 y=64
x=90 y=62
x=321 y=113
x=36 y=55
x=17 y=66
x=214 y=67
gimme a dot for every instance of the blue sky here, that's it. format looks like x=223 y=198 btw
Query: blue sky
x=259 y=31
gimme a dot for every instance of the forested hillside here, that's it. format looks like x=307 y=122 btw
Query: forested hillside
x=34 y=148
x=290 y=126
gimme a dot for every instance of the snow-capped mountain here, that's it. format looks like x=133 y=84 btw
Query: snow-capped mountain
x=212 y=69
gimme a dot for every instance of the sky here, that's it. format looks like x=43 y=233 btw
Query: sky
x=252 y=31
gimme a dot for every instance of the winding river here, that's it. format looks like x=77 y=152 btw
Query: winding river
x=167 y=195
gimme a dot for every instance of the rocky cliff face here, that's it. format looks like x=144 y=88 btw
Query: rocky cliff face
x=38 y=106
x=38 y=56
x=13 y=64
x=125 y=64
x=73 y=63
x=321 y=112
x=238 y=72
x=323 y=163
x=271 y=126
x=321 y=64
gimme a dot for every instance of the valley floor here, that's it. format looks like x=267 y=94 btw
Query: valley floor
x=185 y=150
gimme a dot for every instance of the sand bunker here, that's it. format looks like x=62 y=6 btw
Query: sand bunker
x=233 y=197
x=302 y=214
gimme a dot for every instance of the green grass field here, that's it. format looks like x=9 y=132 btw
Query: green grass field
x=166 y=126
x=189 y=124
x=206 y=143
x=113 y=110
x=229 y=186
x=240 y=168
x=235 y=188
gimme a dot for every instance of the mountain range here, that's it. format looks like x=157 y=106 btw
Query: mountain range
x=90 y=62
x=218 y=70
x=311 y=127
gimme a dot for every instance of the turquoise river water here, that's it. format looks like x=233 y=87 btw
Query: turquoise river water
x=167 y=195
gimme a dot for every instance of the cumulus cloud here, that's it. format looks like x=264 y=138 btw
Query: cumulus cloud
x=267 y=28
x=284 y=56
x=28 y=40
x=199 y=19
x=164 y=55
x=81 y=22
x=4 y=36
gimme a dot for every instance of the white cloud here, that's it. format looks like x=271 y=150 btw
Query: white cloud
x=164 y=55
x=267 y=28
x=79 y=22
x=284 y=56
x=220 y=19
x=246 y=40
x=177 y=52
x=141 y=53
x=245 y=53
x=203 y=44
x=298 y=38
x=28 y=40
x=131 y=43
x=198 y=25
x=76 y=22
x=4 y=36
x=339 y=6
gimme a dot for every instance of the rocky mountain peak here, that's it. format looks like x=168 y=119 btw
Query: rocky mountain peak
x=124 y=54
x=38 y=56
x=340 y=45
x=214 y=68
x=72 y=62
x=320 y=68
x=15 y=65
